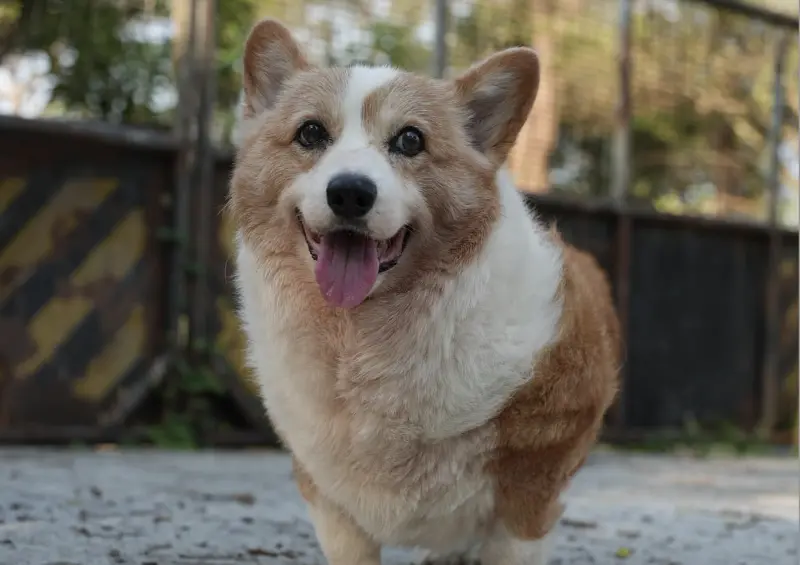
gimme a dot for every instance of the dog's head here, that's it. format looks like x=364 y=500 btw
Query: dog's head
x=369 y=176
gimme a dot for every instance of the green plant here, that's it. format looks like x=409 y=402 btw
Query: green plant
x=186 y=400
x=703 y=441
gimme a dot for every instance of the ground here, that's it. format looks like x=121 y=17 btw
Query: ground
x=76 y=507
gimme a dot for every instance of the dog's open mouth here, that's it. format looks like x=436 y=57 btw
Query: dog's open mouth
x=349 y=260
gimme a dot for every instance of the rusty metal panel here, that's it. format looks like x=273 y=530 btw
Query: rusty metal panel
x=79 y=284
x=695 y=327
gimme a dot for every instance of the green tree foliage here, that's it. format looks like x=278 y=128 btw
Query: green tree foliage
x=394 y=44
x=101 y=69
x=702 y=90
x=703 y=106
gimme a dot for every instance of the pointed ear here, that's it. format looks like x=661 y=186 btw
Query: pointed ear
x=271 y=57
x=498 y=94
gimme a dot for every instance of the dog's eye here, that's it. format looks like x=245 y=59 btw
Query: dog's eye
x=312 y=135
x=408 y=142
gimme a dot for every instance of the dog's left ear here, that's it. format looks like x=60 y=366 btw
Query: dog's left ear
x=498 y=94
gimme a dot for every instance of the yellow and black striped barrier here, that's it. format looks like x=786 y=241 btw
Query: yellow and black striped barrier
x=74 y=288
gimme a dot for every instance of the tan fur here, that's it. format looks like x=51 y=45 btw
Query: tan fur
x=270 y=52
x=381 y=464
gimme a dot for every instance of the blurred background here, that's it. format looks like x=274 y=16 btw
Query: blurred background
x=664 y=140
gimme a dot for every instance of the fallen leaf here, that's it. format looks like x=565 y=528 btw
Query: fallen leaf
x=623 y=553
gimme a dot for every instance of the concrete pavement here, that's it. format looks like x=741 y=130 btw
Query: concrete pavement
x=74 y=507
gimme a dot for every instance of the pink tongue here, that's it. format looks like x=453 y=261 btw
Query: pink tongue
x=347 y=268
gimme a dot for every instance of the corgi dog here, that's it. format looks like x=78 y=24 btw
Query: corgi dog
x=437 y=361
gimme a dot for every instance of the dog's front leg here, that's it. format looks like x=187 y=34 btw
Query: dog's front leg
x=343 y=542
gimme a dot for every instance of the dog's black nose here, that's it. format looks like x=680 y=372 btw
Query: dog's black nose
x=351 y=195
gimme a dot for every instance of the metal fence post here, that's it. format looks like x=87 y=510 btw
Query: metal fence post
x=183 y=18
x=195 y=21
x=620 y=186
x=205 y=163
x=440 y=19
x=769 y=371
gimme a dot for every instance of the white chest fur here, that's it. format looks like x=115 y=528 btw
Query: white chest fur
x=410 y=455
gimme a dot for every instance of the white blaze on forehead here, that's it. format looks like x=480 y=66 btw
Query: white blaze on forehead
x=361 y=82
x=354 y=151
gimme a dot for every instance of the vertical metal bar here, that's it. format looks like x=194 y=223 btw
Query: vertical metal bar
x=440 y=19
x=183 y=17
x=769 y=370
x=621 y=175
x=204 y=164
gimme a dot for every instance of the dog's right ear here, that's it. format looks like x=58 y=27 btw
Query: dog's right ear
x=271 y=57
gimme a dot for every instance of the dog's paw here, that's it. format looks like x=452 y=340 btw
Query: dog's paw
x=461 y=558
